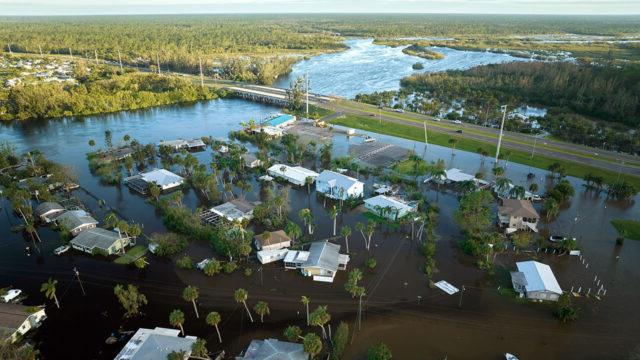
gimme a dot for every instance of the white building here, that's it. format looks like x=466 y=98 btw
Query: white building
x=269 y=256
x=322 y=261
x=158 y=343
x=16 y=320
x=296 y=175
x=163 y=178
x=338 y=186
x=535 y=281
x=250 y=160
x=389 y=207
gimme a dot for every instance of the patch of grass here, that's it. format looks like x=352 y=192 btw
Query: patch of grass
x=132 y=255
x=471 y=145
x=629 y=229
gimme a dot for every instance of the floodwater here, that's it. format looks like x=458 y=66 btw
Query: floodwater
x=366 y=67
x=416 y=321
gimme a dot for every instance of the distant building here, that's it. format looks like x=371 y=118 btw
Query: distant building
x=277 y=240
x=16 y=320
x=272 y=349
x=389 y=207
x=76 y=221
x=155 y=344
x=338 y=186
x=535 y=281
x=296 y=175
x=98 y=239
x=163 y=178
x=322 y=261
x=232 y=211
x=250 y=160
x=516 y=215
x=47 y=211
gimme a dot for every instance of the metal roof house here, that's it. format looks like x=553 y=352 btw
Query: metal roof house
x=338 y=186
x=154 y=344
x=273 y=349
x=250 y=160
x=389 y=207
x=234 y=210
x=98 y=239
x=276 y=241
x=163 y=178
x=47 y=211
x=296 y=175
x=322 y=261
x=76 y=221
x=16 y=321
x=535 y=281
x=516 y=215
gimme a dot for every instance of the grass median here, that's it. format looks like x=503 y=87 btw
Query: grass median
x=471 y=145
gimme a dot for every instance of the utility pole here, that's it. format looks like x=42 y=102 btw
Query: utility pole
x=426 y=140
x=533 y=151
x=77 y=273
x=504 y=115
x=158 y=62
x=9 y=46
x=120 y=59
x=360 y=311
x=40 y=48
x=71 y=53
x=201 y=73
x=307 y=76
x=95 y=53
x=461 y=293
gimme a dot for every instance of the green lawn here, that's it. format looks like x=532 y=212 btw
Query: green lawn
x=132 y=255
x=413 y=133
x=629 y=229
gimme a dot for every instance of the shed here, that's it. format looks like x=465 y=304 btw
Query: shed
x=106 y=241
x=277 y=240
x=338 y=186
x=535 y=281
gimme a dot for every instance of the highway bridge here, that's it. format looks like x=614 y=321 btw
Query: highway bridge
x=271 y=95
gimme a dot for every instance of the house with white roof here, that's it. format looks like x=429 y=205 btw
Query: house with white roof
x=322 y=261
x=233 y=211
x=273 y=349
x=389 y=207
x=338 y=186
x=153 y=344
x=163 y=178
x=296 y=175
x=535 y=281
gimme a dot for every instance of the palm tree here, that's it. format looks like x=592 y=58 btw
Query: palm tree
x=154 y=191
x=517 y=192
x=533 y=187
x=293 y=230
x=213 y=319
x=176 y=319
x=345 y=231
x=190 y=294
x=551 y=208
x=241 y=296
x=333 y=213
x=305 y=301
x=92 y=142
x=262 y=308
x=307 y=218
x=319 y=317
x=371 y=228
x=312 y=345
x=503 y=184
x=497 y=171
x=49 y=291
x=467 y=186
x=308 y=181
x=453 y=142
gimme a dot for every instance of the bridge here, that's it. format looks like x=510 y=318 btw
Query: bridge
x=271 y=95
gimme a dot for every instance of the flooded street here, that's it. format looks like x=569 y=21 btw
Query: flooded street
x=366 y=67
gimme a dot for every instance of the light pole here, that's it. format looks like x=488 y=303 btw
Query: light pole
x=504 y=115
x=77 y=273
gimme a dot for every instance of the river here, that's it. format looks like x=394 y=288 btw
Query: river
x=365 y=67
x=418 y=322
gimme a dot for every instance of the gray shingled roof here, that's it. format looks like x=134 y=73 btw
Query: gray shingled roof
x=96 y=238
x=74 y=219
x=47 y=206
x=518 y=208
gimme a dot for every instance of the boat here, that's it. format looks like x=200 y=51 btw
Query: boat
x=558 y=238
x=61 y=249
x=369 y=139
x=508 y=356
x=11 y=295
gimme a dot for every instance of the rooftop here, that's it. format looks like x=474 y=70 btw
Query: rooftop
x=11 y=317
x=518 y=208
x=297 y=173
x=334 y=179
x=161 y=177
x=234 y=209
x=96 y=238
x=277 y=237
x=538 y=276
x=384 y=201
x=75 y=218
x=273 y=349
x=153 y=344
x=45 y=207
x=324 y=254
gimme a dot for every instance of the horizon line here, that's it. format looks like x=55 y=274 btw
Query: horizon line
x=322 y=13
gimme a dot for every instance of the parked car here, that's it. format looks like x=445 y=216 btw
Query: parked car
x=459 y=131
x=399 y=110
x=11 y=295
x=457 y=122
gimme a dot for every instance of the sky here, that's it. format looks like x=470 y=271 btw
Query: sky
x=103 y=7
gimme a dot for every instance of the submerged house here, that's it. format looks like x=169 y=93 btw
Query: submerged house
x=250 y=160
x=516 y=215
x=158 y=343
x=322 y=261
x=273 y=349
x=100 y=240
x=389 y=207
x=163 y=178
x=48 y=211
x=17 y=320
x=338 y=186
x=190 y=145
x=275 y=241
x=76 y=221
x=236 y=210
x=535 y=281
x=296 y=175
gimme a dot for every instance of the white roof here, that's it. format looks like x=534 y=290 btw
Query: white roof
x=386 y=201
x=161 y=177
x=294 y=256
x=153 y=344
x=297 y=173
x=334 y=179
x=456 y=175
x=539 y=277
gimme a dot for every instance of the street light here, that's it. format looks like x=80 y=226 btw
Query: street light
x=504 y=115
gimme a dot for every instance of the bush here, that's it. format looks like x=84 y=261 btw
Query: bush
x=230 y=267
x=248 y=272
x=340 y=341
x=184 y=262
x=564 y=311
x=213 y=267
x=371 y=263
x=379 y=352
x=169 y=244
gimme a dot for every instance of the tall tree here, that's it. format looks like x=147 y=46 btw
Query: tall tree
x=130 y=299
x=345 y=231
x=176 y=319
x=305 y=301
x=190 y=294
x=241 y=295
x=312 y=345
x=320 y=317
x=213 y=319
x=262 y=308
x=49 y=290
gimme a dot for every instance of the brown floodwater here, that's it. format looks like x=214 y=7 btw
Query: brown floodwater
x=416 y=321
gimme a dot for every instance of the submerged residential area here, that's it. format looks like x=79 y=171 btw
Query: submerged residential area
x=392 y=186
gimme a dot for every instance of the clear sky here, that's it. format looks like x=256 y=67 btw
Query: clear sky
x=81 y=7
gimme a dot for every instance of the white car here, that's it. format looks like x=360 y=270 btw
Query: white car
x=11 y=295
x=457 y=122
x=201 y=265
